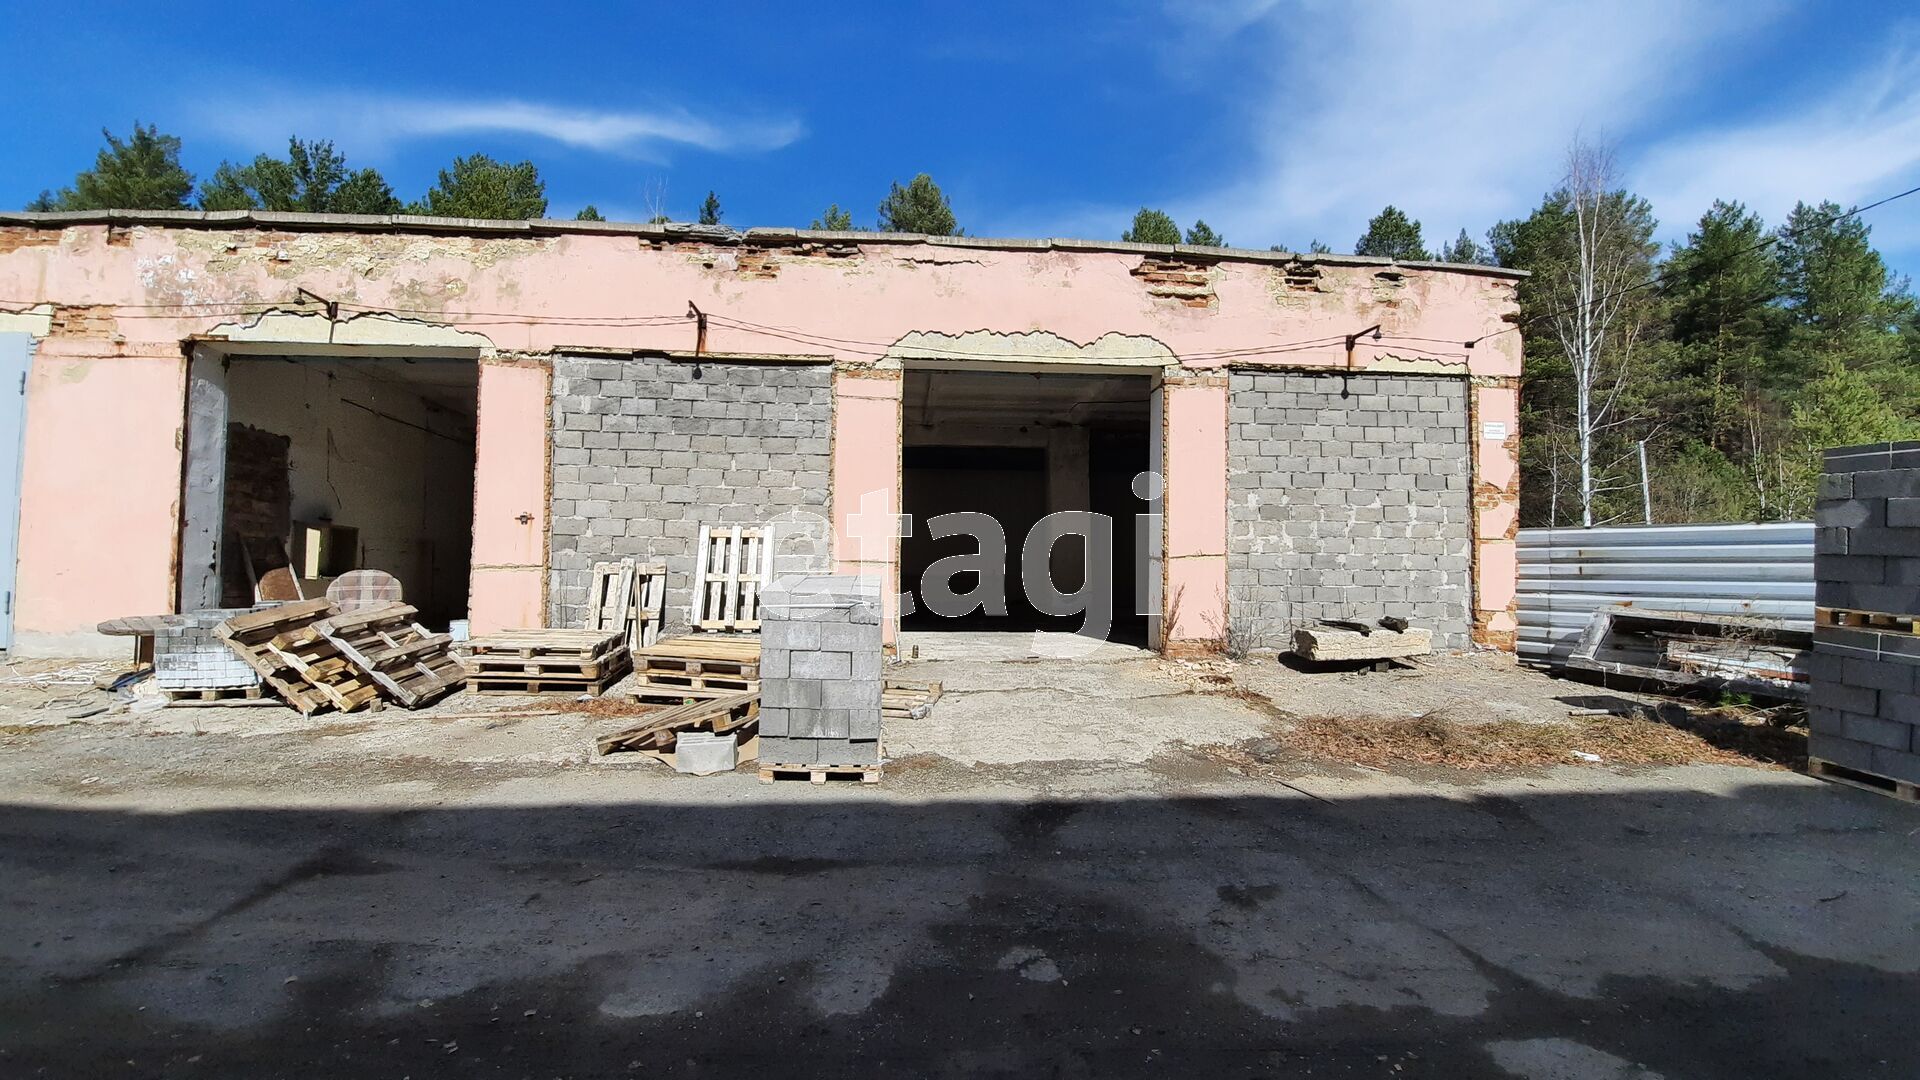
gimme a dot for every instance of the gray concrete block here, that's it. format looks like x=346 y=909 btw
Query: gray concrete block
x=1896 y=764
x=1890 y=734
x=820 y=665
x=1830 y=746
x=1878 y=676
x=790 y=693
x=774 y=721
x=863 y=723
x=1844 y=695
x=847 y=752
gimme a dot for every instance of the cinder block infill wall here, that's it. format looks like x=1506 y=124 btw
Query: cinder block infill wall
x=645 y=451
x=1348 y=498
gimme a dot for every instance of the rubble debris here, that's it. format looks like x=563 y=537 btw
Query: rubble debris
x=1696 y=650
x=1320 y=644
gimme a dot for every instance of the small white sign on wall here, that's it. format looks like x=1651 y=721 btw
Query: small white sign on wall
x=1494 y=429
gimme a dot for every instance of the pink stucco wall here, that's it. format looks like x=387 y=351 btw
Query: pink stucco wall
x=866 y=481
x=129 y=296
x=1196 y=513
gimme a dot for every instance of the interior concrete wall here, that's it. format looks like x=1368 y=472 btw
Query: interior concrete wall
x=403 y=479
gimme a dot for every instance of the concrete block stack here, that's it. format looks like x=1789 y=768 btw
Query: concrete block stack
x=1864 y=710
x=820 y=677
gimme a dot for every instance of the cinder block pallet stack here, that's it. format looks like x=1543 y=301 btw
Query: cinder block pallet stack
x=190 y=662
x=820 y=679
x=1864 y=710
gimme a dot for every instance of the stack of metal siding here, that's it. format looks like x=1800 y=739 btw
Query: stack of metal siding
x=1568 y=574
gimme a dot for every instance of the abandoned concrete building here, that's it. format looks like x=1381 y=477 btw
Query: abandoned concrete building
x=484 y=409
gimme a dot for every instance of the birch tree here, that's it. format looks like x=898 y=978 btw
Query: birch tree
x=1590 y=249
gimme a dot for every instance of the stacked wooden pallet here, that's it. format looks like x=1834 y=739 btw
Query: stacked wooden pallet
x=289 y=650
x=410 y=665
x=548 y=661
x=697 y=667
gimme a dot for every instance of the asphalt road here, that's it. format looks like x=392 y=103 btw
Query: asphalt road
x=1687 y=923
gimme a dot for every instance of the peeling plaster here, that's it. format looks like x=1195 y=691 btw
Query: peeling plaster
x=278 y=327
x=36 y=320
x=1033 y=346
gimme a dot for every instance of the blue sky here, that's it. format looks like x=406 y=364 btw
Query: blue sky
x=1278 y=121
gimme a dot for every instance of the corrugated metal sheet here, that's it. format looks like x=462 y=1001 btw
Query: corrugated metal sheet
x=1565 y=574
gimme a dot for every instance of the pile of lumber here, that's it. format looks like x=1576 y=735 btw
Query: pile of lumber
x=548 y=661
x=697 y=667
x=656 y=732
x=315 y=658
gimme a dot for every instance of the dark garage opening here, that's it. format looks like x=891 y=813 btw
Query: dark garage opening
x=1016 y=447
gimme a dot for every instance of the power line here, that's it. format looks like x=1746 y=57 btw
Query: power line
x=1661 y=278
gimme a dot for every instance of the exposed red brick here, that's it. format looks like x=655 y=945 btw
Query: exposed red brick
x=13 y=238
x=1188 y=283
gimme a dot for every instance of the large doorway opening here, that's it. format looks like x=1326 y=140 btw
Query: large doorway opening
x=1016 y=447
x=338 y=463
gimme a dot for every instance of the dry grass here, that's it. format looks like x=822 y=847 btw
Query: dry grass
x=1717 y=738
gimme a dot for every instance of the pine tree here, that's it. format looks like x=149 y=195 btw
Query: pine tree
x=589 y=212
x=313 y=178
x=1152 y=227
x=834 y=220
x=1392 y=235
x=1464 y=249
x=710 y=212
x=1202 y=235
x=141 y=172
x=920 y=207
x=477 y=186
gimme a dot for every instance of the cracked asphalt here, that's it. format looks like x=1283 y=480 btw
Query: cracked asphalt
x=309 y=902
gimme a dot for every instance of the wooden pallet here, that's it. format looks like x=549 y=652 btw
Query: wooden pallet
x=1866 y=620
x=1865 y=781
x=732 y=566
x=219 y=693
x=409 y=664
x=630 y=598
x=252 y=637
x=306 y=651
x=718 y=715
x=819 y=774
x=580 y=645
x=502 y=664
x=553 y=681
x=900 y=700
x=650 y=694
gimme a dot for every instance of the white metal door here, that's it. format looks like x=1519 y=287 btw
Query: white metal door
x=14 y=352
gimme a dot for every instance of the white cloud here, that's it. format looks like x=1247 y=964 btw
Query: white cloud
x=1458 y=113
x=1857 y=142
x=362 y=123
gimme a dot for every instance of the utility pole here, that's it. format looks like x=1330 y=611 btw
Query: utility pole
x=1646 y=492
